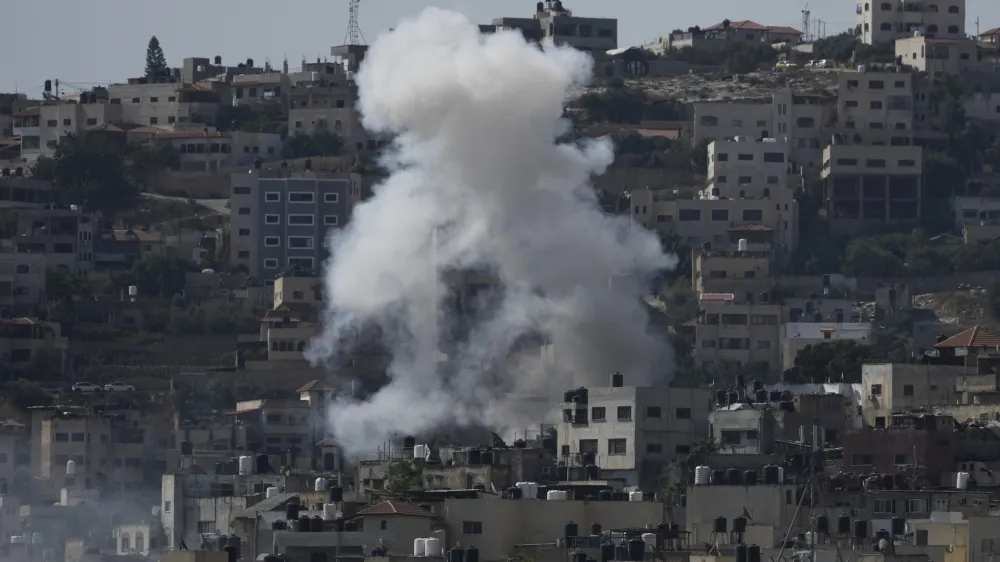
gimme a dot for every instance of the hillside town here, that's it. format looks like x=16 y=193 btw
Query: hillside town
x=831 y=315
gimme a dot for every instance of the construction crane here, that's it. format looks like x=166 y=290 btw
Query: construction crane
x=354 y=35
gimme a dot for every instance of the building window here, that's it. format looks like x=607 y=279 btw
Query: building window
x=300 y=242
x=303 y=264
x=244 y=232
x=206 y=527
x=270 y=263
x=653 y=412
x=682 y=449
x=763 y=344
x=272 y=219
x=745 y=157
x=598 y=413
x=901 y=459
x=875 y=104
x=166 y=507
x=588 y=446
x=907 y=163
x=301 y=197
x=862 y=460
x=907 y=390
x=301 y=220
x=882 y=506
x=876 y=85
x=78 y=437
x=243 y=254
x=683 y=413
x=153 y=121
x=916 y=505
x=876 y=390
x=272 y=196
x=617 y=446
x=624 y=413
x=472 y=527
x=244 y=210
x=383 y=524
x=331 y=197
x=331 y=220
x=941 y=504
x=654 y=448
x=62 y=437
x=753 y=215
x=272 y=241
x=720 y=214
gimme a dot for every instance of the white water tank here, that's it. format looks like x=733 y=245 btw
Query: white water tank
x=420 y=547
x=432 y=546
x=862 y=68
x=321 y=485
x=532 y=491
x=330 y=512
x=810 y=538
x=650 y=540
x=962 y=480
x=70 y=468
x=246 y=466
x=702 y=475
x=742 y=245
x=133 y=291
x=36 y=538
x=419 y=452
x=781 y=475
x=17 y=539
x=556 y=495
x=270 y=492
x=635 y=496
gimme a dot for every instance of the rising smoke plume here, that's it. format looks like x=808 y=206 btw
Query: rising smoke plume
x=479 y=181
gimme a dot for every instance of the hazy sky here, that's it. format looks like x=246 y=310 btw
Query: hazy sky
x=101 y=41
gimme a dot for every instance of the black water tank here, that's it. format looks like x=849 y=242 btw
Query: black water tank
x=741 y=553
x=898 y=525
x=581 y=396
x=232 y=554
x=604 y=495
x=475 y=457
x=720 y=397
x=674 y=526
x=487 y=458
x=589 y=458
x=562 y=473
x=719 y=525
x=617 y=380
x=750 y=478
x=317 y=524
x=378 y=552
x=279 y=525
x=636 y=550
x=409 y=442
x=733 y=476
x=570 y=530
x=513 y=493
x=621 y=551
x=844 y=525
x=263 y=465
x=760 y=396
x=292 y=511
x=757 y=386
x=220 y=468
x=187 y=448
x=823 y=525
x=221 y=542
x=336 y=494
x=456 y=554
x=734 y=398
x=549 y=444
x=618 y=496
x=305 y=523
x=593 y=472
x=861 y=529
x=218 y=60
x=338 y=525
x=578 y=556
x=607 y=552
x=775 y=396
x=787 y=406
x=718 y=477
x=595 y=529
x=753 y=553
x=786 y=395
x=471 y=554
x=520 y=444
x=569 y=396
x=740 y=525
x=539 y=8
x=350 y=526
x=771 y=474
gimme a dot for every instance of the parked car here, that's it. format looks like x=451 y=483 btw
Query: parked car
x=823 y=64
x=785 y=65
x=85 y=387
x=119 y=387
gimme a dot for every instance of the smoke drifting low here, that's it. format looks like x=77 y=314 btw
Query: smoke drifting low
x=479 y=181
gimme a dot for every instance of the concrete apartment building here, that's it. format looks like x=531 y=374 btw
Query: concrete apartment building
x=746 y=275
x=281 y=222
x=22 y=281
x=208 y=150
x=23 y=339
x=796 y=336
x=717 y=36
x=943 y=56
x=876 y=108
x=740 y=333
x=165 y=104
x=23 y=192
x=554 y=23
x=866 y=188
x=65 y=237
x=626 y=427
x=888 y=20
x=740 y=168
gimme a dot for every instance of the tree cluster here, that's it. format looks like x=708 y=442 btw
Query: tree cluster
x=897 y=255
x=738 y=57
x=211 y=319
x=622 y=104
x=846 y=48
x=830 y=362
x=321 y=142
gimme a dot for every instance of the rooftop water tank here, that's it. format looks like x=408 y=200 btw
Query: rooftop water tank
x=133 y=291
x=409 y=442
x=246 y=466
x=650 y=540
x=570 y=531
x=741 y=553
x=336 y=494
x=635 y=496
x=71 y=469
x=844 y=525
x=702 y=475
x=270 y=492
x=321 y=485
x=420 y=547
x=636 y=550
x=741 y=245
x=556 y=495
x=187 y=447
x=471 y=554
x=961 y=479
x=432 y=547
x=419 y=452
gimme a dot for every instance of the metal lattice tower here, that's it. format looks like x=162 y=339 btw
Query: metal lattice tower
x=354 y=35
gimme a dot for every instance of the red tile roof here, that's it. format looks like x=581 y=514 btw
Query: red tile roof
x=745 y=24
x=393 y=507
x=991 y=32
x=784 y=29
x=974 y=337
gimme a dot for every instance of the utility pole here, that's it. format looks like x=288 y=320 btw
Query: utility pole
x=977 y=27
x=354 y=35
x=805 y=23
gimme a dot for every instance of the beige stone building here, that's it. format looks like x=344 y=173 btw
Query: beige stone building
x=887 y=20
x=740 y=168
x=876 y=108
x=24 y=339
x=22 y=280
x=64 y=236
x=942 y=56
x=165 y=104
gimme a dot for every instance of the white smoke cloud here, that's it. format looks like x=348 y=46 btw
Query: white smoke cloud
x=479 y=181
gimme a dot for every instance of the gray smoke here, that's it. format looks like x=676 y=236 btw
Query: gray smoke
x=479 y=182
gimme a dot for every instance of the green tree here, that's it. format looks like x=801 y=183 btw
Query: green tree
x=834 y=361
x=24 y=394
x=159 y=276
x=88 y=170
x=156 y=63
x=62 y=285
x=864 y=257
x=45 y=365
x=322 y=142
x=401 y=476
x=147 y=162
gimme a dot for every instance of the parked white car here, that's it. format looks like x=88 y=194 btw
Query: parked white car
x=85 y=387
x=119 y=387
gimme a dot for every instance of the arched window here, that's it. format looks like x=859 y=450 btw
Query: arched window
x=867 y=7
x=932 y=8
x=302 y=346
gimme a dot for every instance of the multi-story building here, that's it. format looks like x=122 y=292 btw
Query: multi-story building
x=9 y=105
x=740 y=168
x=991 y=36
x=165 y=104
x=941 y=56
x=24 y=339
x=554 y=23
x=326 y=99
x=720 y=35
x=23 y=192
x=887 y=20
x=22 y=281
x=281 y=222
x=746 y=275
x=209 y=150
x=64 y=236
x=27 y=127
x=745 y=334
x=796 y=336
x=867 y=188
x=876 y=108
x=628 y=429
x=56 y=121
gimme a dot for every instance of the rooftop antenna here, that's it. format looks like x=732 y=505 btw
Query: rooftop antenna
x=805 y=22
x=354 y=35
